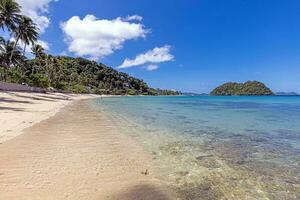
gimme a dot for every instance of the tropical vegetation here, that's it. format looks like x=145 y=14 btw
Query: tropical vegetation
x=58 y=73
x=248 y=88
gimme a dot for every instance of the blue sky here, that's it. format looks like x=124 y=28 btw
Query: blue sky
x=190 y=45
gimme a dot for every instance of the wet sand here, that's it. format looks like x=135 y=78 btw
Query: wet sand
x=77 y=154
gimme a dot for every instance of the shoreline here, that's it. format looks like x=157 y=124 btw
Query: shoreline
x=78 y=153
x=20 y=110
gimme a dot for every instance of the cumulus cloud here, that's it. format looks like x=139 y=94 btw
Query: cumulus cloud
x=156 y=55
x=151 y=67
x=97 y=38
x=37 y=10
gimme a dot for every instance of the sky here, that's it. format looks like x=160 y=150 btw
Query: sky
x=191 y=46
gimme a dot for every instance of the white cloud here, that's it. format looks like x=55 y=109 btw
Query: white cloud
x=37 y=10
x=44 y=44
x=152 y=67
x=134 y=18
x=99 y=37
x=156 y=55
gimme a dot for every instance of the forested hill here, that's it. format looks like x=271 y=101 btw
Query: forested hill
x=79 y=75
x=247 y=88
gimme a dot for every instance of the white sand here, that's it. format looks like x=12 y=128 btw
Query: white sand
x=77 y=154
x=22 y=110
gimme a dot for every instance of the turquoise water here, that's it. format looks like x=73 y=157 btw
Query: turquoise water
x=217 y=147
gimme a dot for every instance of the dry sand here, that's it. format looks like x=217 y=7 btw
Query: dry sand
x=22 y=110
x=77 y=154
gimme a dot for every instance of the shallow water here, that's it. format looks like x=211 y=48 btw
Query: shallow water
x=217 y=147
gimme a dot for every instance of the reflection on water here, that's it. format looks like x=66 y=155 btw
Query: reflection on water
x=218 y=147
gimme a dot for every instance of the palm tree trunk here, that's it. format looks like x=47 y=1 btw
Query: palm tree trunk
x=14 y=48
x=5 y=74
x=34 y=67
x=24 y=50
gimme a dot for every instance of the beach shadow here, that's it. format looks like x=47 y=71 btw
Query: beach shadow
x=34 y=98
x=143 y=192
x=55 y=98
x=8 y=100
x=12 y=109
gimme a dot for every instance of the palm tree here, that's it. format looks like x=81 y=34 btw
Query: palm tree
x=26 y=31
x=37 y=51
x=7 y=49
x=9 y=14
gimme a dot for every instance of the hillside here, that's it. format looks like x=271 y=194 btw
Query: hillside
x=79 y=75
x=248 y=88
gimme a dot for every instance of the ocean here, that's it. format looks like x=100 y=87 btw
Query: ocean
x=217 y=147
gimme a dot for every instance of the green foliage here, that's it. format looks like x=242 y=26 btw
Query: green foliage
x=15 y=76
x=134 y=92
x=79 y=89
x=9 y=14
x=39 y=80
x=248 y=88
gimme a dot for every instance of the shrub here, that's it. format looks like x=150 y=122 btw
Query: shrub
x=15 y=76
x=79 y=89
x=39 y=80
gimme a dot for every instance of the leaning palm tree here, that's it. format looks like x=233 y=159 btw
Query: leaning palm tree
x=9 y=14
x=26 y=31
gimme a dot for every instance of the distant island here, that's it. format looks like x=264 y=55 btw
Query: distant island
x=286 y=94
x=249 y=88
x=194 y=94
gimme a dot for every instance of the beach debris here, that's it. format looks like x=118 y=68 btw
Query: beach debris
x=183 y=173
x=145 y=172
x=203 y=156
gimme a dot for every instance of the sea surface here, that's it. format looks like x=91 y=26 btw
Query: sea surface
x=217 y=147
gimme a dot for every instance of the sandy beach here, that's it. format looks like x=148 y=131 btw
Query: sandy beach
x=76 y=153
x=21 y=110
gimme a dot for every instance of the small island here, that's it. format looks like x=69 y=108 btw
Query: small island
x=249 y=88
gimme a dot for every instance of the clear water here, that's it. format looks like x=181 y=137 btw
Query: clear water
x=217 y=147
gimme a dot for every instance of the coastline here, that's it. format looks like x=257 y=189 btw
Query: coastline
x=20 y=110
x=78 y=153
